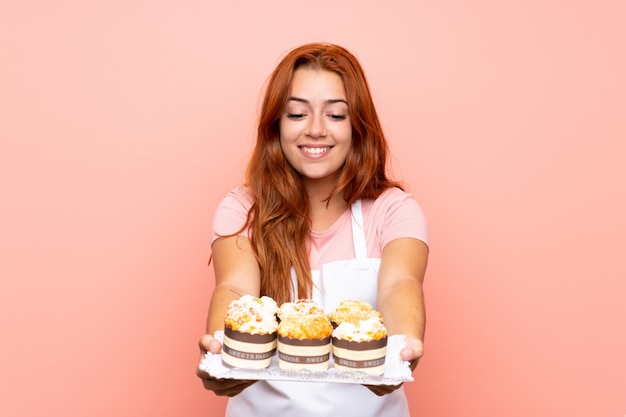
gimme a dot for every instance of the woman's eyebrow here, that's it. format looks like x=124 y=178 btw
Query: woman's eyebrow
x=329 y=101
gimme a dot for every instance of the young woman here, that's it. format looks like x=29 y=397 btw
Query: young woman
x=319 y=218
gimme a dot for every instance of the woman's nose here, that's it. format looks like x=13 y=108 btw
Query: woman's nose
x=317 y=126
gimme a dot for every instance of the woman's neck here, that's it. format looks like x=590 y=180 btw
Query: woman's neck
x=324 y=213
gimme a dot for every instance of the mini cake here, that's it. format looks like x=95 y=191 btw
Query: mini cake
x=250 y=333
x=360 y=345
x=354 y=311
x=302 y=306
x=304 y=340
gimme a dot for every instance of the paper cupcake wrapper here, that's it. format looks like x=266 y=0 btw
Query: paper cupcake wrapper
x=245 y=350
x=367 y=356
x=304 y=342
x=248 y=337
x=311 y=354
x=363 y=345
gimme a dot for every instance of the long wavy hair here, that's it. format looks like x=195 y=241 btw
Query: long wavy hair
x=279 y=218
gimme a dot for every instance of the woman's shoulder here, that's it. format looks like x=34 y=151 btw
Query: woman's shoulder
x=241 y=195
x=393 y=197
x=392 y=205
x=232 y=213
x=396 y=213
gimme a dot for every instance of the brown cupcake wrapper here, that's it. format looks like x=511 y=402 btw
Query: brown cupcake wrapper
x=364 y=345
x=348 y=363
x=305 y=360
x=303 y=342
x=249 y=337
x=250 y=356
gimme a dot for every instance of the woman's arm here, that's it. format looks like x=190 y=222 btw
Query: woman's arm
x=236 y=273
x=400 y=297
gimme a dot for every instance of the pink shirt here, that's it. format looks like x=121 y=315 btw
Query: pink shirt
x=394 y=214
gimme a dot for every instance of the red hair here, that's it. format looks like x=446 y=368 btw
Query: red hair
x=279 y=218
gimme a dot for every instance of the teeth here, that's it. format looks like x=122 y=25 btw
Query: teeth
x=315 y=150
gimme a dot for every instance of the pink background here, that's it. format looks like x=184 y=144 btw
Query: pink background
x=123 y=123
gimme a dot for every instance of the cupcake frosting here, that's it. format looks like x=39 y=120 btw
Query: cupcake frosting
x=252 y=315
x=302 y=306
x=301 y=326
x=354 y=311
x=359 y=331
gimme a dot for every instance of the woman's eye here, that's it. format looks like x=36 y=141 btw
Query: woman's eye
x=295 y=116
x=338 y=116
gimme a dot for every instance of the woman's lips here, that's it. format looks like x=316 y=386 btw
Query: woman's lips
x=315 y=151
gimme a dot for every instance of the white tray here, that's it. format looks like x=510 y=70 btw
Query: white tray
x=396 y=372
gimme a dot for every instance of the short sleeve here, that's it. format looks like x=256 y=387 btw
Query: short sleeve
x=398 y=215
x=231 y=214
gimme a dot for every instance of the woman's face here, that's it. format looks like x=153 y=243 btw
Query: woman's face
x=315 y=129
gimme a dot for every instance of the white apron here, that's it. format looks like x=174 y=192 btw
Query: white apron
x=335 y=281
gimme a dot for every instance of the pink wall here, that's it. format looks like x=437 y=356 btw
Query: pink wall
x=122 y=123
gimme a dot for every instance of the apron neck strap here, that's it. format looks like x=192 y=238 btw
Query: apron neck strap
x=358 y=235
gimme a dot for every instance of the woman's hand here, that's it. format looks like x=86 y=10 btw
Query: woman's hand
x=220 y=386
x=412 y=352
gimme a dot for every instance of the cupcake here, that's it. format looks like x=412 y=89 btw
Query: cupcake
x=354 y=311
x=304 y=338
x=250 y=333
x=360 y=345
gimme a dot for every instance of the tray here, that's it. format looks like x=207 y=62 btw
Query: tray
x=396 y=372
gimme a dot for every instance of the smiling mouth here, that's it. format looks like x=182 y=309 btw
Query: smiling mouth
x=315 y=151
